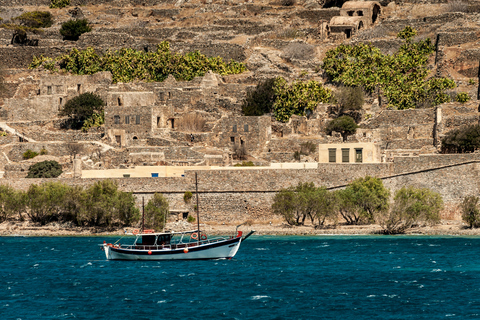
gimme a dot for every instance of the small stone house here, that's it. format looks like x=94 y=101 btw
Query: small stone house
x=354 y=16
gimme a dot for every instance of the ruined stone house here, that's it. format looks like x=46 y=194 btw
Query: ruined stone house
x=354 y=16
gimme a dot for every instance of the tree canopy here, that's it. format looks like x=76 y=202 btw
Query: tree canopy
x=461 y=140
x=73 y=29
x=402 y=77
x=345 y=125
x=471 y=211
x=86 y=107
x=412 y=206
x=156 y=212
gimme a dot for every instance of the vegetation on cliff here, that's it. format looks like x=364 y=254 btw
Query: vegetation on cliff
x=471 y=211
x=401 y=77
x=364 y=201
x=32 y=21
x=84 y=111
x=344 y=124
x=128 y=64
x=156 y=212
x=283 y=99
x=73 y=29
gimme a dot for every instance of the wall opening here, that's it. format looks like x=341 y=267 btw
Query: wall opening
x=79 y=88
x=127 y=119
x=345 y=155
x=332 y=155
x=116 y=119
x=118 y=139
x=348 y=33
x=358 y=155
x=119 y=101
x=171 y=123
x=350 y=13
x=158 y=122
x=49 y=89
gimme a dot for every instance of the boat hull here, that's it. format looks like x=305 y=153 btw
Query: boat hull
x=225 y=249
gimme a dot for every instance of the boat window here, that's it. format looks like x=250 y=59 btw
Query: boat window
x=148 y=240
x=163 y=239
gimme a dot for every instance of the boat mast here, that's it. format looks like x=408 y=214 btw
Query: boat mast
x=143 y=214
x=198 y=215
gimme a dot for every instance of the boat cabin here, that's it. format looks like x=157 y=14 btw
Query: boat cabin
x=154 y=239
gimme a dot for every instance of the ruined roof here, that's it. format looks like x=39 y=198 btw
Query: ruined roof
x=345 y=21
x=359 y=4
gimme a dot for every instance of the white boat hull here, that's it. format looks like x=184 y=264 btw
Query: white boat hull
x=225 y=249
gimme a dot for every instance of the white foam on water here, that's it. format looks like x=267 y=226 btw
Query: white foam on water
x=259 y=297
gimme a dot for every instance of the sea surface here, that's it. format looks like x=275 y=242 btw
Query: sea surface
x=271 y=277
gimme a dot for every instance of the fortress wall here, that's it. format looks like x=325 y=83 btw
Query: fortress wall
x=237 y=195
x=426 y=162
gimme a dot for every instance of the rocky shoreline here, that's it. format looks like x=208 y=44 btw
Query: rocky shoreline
x=25 y=228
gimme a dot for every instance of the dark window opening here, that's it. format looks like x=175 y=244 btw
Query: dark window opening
x=49 y=89
x=345 y=155
x=242 y=142
x=358 y=155
x=376 y=12
x=60 y=101
x=348 y=33
x=332 y=155
x=127 y=119
x=245 y=128
x=232 y=139
x=360 y=25
x=116 y=119
x=169 y=95
x=359 y=13
x=119 y=100
x=79 y=87
x=118 y=139
x=234 y=129
x=171 y=123
x=137 y=119
x=135 y=138
x=158 y=122
x=350 y=13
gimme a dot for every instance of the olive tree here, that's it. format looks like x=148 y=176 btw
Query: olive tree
x=344 y=124
x=471 y=211
x=362 y=199
x=81 y=108
x=45 y=202
x=11 y=202
x=45 y=169
x=412 y=206
x=156 y=212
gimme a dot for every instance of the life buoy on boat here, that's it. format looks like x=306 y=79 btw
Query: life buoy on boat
x=135 y=231
x=194 y=236
x=203 y=236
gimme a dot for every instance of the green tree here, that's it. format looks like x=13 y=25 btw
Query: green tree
x=344 y=124
x=284 y=204
x=29 y=154
x=347 y=207
x=369 y=197
x=59 y=3
x=35 y=20
x=82 y=108
x=125 y=208
x=157 y=211
x=297 y=98
x=11 y=202
x=402 y=77
x=464 y=139
x=73 y=29
x=45 y=202
x=261 y=99
x=349 y=98
x=471 y=211
x=45 y=169
x=99 y=204
x=412 y=206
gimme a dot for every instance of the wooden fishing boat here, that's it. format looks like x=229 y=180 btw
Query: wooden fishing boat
x=189 y=245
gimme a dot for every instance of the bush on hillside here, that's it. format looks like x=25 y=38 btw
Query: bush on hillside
x=59 y=3
x=35 y=19
x=349 y=98
x=73 y=29
x=462 y=97
x=29 y=154
x=156 y=212
x=45 y=169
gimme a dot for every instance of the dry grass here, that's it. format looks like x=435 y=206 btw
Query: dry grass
x=191 y=122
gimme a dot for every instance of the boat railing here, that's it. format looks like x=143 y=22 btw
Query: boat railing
x=173 y=246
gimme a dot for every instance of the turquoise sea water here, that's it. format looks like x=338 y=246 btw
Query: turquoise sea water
x=327 y=277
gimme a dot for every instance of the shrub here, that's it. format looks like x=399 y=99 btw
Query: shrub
x=157 y=211
x=73 y=29
x=259 y=100
x=45 y=169
x=59 y=3
x=344 y=124
x=83 y=107
x=35 y=20
x=297 y=155
x=191 y=122
x=412 y=207
x=191 y=219
x=307 y=148
x=471 y=211
x=349 y=98
x=471 y=82
x=11 y=202
x=43 y=152
x=464 y=139
x=29 y=154
x=97 y=119
x=140 y=65
x=239 y=151
x=297 y=98
x=245 y=164
x=287 y=3
x=187 y=196
x=462 y=97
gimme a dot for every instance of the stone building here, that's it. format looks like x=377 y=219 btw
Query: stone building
x=354 y=16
